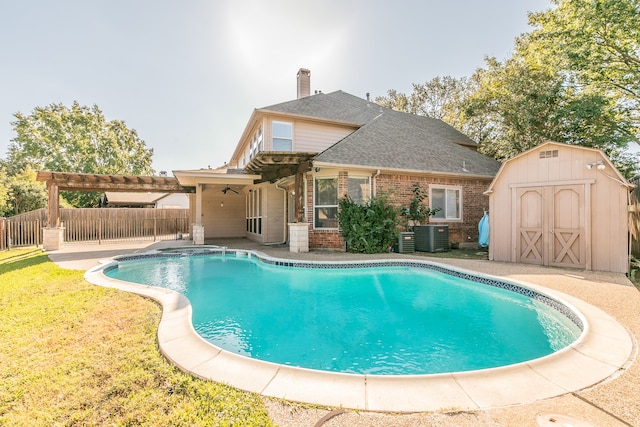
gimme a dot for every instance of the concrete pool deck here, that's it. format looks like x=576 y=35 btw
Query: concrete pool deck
x=594 y=381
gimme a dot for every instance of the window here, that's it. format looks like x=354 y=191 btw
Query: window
x=256 y=144
x=254 y=211
x=359 y=189
x=282 y=136
x=325 y=209
x=449 y=200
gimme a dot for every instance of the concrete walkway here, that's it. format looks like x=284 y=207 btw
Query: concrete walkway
x=612 y=402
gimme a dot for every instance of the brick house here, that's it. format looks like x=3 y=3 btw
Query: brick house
x=295 y=160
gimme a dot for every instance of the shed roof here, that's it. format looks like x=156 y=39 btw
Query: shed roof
x=549 y=145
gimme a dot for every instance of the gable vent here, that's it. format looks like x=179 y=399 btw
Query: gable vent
x=548 y=154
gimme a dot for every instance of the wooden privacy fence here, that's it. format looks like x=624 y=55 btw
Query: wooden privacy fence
x=98 y=225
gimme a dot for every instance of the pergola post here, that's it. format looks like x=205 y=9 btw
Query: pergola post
x=299 y=230
x=53 y=233
x=53 y=204
x=299 y=199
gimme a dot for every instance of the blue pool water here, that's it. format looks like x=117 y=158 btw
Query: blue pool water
x=391 y=320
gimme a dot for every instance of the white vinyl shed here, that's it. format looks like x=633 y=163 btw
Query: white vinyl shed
x=560 y=205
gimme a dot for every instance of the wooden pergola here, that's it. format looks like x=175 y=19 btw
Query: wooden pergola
x=275 y=165
x=67 y=181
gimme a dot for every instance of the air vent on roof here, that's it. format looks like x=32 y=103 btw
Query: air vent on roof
x=548 y=154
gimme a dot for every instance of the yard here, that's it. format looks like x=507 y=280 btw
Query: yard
x=72 y=353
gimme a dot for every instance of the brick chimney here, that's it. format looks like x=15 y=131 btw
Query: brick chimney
x=304 y=83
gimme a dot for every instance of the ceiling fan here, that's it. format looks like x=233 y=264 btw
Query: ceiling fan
x=227 y=188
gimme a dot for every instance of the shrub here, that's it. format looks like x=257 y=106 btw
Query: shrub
x=368 y=228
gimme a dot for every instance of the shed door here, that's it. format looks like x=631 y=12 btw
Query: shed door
x=550 y=226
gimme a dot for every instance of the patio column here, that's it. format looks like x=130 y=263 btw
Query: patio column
x=53 y=204
x=299 y=230
x=197 y=230
x=299 y=206
x=53 y=233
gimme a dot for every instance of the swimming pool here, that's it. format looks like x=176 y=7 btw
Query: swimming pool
x=603 y=350
x=393 y=319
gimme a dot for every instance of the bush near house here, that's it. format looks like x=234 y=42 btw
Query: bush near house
x=368 y=228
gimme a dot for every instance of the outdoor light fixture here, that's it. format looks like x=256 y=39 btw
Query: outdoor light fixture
x=222 y=204
x=599 y=164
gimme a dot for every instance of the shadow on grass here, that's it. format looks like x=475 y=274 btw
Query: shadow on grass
x=21 y=259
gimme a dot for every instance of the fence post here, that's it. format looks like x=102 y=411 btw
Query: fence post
x=9 y=235
x=3 y=233
x=99 y=231
x=37 y=232
x=154 y=228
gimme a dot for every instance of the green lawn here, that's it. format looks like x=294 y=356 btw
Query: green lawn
x=75 y=354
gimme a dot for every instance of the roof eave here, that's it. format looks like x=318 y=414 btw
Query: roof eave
x=403 y=171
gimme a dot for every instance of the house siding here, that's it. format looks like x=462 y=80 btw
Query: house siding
x=223 y=221
x=313 y=137
x=273 y=214
x=398 y=189
x=308 y=137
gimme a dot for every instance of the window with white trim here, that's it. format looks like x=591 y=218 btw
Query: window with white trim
x=449 y=200
x=359 y=189
x=325 y=203
x=282 y=134
x=254 y=211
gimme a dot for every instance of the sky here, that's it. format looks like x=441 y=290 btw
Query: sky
x=187 y=74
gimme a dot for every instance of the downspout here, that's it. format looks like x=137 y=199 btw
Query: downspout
x=284 y=209
x=375 y=181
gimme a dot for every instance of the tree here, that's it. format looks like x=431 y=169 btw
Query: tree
x=596 y=40
x=439 y=98
x=574 y=79
x=76 y=139
x=527 y=99
x=394 y=100
x=22 y=193
x=4 y=193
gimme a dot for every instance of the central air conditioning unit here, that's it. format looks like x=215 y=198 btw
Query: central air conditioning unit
x=432 y=238
x=406 y=243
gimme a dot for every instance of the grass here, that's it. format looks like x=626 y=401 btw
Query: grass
x=74 y=354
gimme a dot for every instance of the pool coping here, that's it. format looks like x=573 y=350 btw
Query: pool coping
x=604 y=350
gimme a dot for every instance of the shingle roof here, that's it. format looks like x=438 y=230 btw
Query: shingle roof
x=390 y=139
x=336 y=106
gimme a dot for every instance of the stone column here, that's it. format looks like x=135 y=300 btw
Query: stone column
x=52 y=238
x=298 y=237
x=198 y=234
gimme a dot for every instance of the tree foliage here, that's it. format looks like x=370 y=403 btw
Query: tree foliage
x=598 y=41
x=76 y=139
x=575 y=78
x=368 y=228
x=21 y=193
